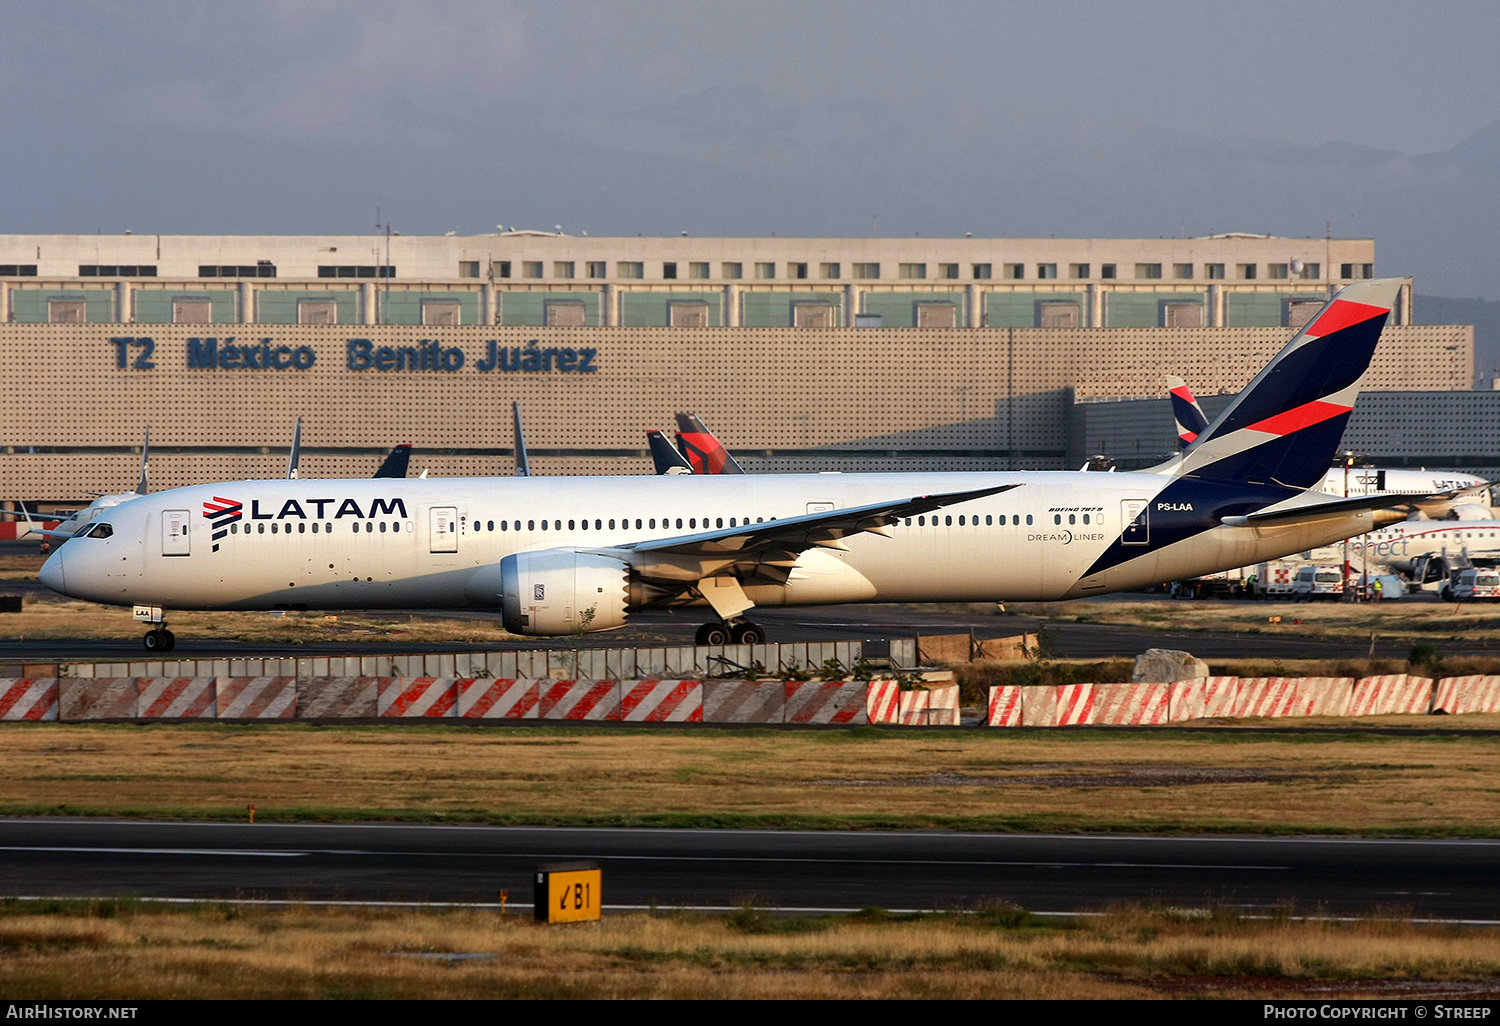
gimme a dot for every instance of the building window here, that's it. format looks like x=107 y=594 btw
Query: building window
x=564 y=313
x=329 y=271
x=1367 y=270
x=1046 y=270
x=501 y=268
x=1107 y=271
x=1276 y=271
x=813 y=315
x=1214 y=271
x=829 y=270
x=765 y=269
x=192 y=311
x=1245 y=272
x=1015 y=271
x=17 y=270
x=1148 y=270
x=630 y=269
x=1182 y=272
x=564 y=269
x=116 y=271
x=264 y=269
x=441 y=313
x=67 y=311
x=1311 y=272
x=984 y=272
x=531 y=268
x=468 y=268
x=317 y=311
x=596 y=269
x=1078 y=270
x=867 y=270
x=687 y=314
x=732 y=271
x=796 y=270
x=948 y=271
x=1346 y=271
x=912 y=271
x=937 y=315
x=698 y=269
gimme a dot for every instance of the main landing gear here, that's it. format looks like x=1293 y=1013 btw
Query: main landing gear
x=732 y=632
x=159 y=639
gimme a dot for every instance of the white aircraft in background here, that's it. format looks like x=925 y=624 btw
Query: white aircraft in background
x=74 y=522
x=1469 y=493
x=564 y=555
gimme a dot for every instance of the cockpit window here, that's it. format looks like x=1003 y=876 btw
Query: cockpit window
x=97 y=531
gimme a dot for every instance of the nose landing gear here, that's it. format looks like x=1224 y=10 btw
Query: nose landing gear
x=159 y=640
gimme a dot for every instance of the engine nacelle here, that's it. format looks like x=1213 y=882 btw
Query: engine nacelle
x=556 y=591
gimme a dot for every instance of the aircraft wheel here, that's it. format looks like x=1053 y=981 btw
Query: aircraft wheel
x=169 y=638
x=713 y=634
x=748 y=634
x=154 y=642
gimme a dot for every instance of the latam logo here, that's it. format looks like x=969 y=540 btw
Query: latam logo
x=221 y=512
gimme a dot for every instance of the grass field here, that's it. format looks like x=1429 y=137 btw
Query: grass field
x=124 y=950
x=1251 y=778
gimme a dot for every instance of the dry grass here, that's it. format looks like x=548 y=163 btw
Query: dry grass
x=1251 y=778
x=127 y=951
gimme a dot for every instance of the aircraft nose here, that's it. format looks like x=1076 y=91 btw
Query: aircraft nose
x=52 y=574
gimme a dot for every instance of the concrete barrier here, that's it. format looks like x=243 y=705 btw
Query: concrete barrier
x=883 y=702
x=337 y=698
x=1039 y=705
x=827 y=701
x=1265 y=696
x=421 y=697
x=175 y=698
x=1387 y=694
x=498 y=699
x=661 y=701
x=578 y=700
x=1136 y=703
x=1473 y=694
x=1075 y=705
x=744 y=701
x=22 y=699
x=1324 y=696
x=1005 y=706
x=98 y=698
x=255 y=698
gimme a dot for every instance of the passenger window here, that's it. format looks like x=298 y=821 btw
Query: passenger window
x=1028 y=519
x=1085 y=518
x=557 y=525
x=273 y=528
x=1072 y=519
x=490 y=526
x=718 y=522
x=263 y=528
x=679 y=522
x=921 y=521
x=653 y=523
x=544 y=525
x=301 y=528
x=531 y=525
x=382 y=527
x=369 y=527
x=396 y=527
x=908 y=521
x=585 y=525
x=692 y=521
x=1057 y=518
x=989 y=520
x=234 y=528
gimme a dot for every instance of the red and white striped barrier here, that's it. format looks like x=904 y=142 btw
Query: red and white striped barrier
x=28 y=699
x=578 y=700
x=1200 y=698
x=1038 y=705
x=827 y=701
x=662 y=701
x=1005 y=706
x=10 y=530
x=417 y=697
x=744 y=701
x=97 y=698
x=175 y=698
x=337 y=697
x=256 y=698
x=942 y=706
x=498 y=699
x=1475 y=694
x=1324 y=696
x=883 y=704
x=1122 y=704
x=1390 y=693
x=1265 y=696
x=1075 y=704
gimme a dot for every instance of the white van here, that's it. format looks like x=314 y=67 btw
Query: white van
x=1477 y=583
x=1320 y=580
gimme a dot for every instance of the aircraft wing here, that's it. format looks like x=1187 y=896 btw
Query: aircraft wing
x=1308 y=512
x=54 y=515
x=769 y=550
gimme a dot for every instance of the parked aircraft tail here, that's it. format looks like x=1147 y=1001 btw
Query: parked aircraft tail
x=664 y=455
x=1186 y=411
x=703 y=451
x=395 y=464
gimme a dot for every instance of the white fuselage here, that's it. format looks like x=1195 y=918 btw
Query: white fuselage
x=365 y=544
x=1400 y=545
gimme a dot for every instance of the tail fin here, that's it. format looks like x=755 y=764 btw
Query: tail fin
x=294 y=461
x=1285 y=426
x=523 y=463
x=702 y=449
x=1186 y=411
x=664 y=455
x=395 y=464
x=140 y=486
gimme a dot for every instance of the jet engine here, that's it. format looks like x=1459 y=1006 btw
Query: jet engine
x=555 y=591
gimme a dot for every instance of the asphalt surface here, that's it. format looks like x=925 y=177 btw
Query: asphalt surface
x=792 y=871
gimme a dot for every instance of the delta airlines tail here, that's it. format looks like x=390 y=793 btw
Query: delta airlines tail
x=560 y=555
x=705 y=454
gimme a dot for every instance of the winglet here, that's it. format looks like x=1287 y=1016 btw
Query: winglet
x=523 y=464
x=140 y=486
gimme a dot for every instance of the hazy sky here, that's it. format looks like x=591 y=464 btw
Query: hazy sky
x=1124 y=119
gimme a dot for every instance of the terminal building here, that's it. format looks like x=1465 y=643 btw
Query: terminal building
x=802 y=354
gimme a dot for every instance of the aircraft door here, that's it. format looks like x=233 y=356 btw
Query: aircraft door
x=1135 y=515
x=174 y=532
x=443 y=528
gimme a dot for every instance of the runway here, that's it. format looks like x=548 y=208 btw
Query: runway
x=792 y=871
